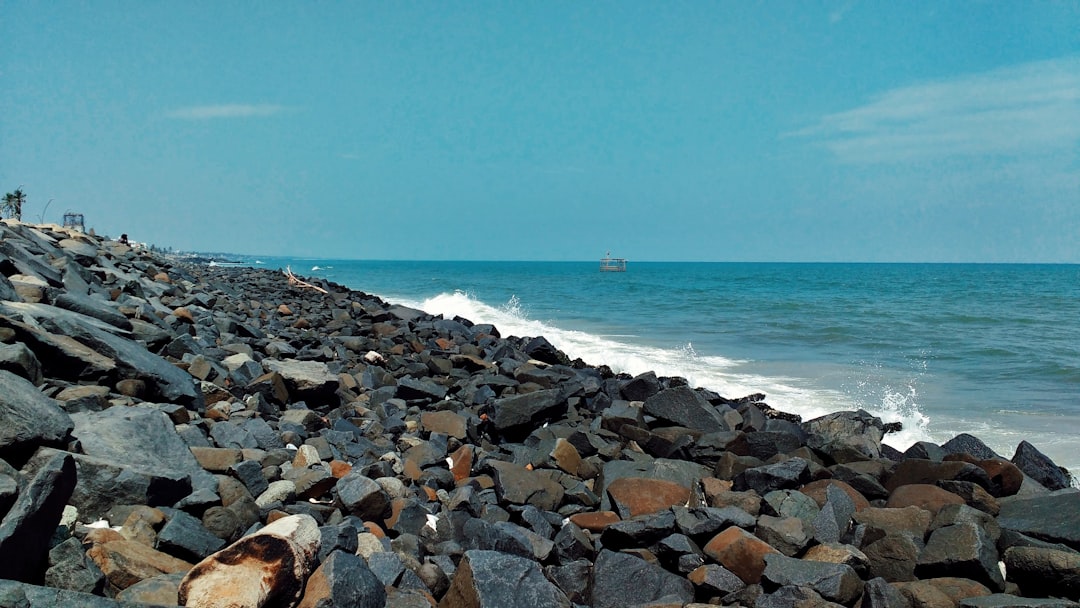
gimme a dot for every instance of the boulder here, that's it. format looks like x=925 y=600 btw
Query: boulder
x=1053 y=517
x=1039 y=467
x=686 y=407
x=1039 y=570
x=270 y=565
x=620 y=579
x=28 y=420
x=29 y=524
x=633 y=496
x=343 y=580
x=962 y=550
x=846 y=436
x=835 y=582
x=490 y=579
x=740 y=552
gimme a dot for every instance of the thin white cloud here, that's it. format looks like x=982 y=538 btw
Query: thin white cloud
x=1030 y=108
x=234 y=110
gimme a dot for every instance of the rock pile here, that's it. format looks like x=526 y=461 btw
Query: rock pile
x=180 y=434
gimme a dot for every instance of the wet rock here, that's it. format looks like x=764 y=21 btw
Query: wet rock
x=1039 y=467
x=968 y=444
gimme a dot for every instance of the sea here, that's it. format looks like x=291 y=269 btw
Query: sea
x=987 y=349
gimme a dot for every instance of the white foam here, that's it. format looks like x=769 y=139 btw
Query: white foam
x=728 y=377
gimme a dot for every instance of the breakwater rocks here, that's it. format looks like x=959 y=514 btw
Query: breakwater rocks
x=175 y=434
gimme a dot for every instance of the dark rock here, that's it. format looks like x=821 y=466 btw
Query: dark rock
x=489 y=579
x=30 y=523
x=963 y=550
x=185 y=537
x=70 y=568
x=572 y=578
x=1041 y=571
x=1051 y=517
x=878 y=593
x=893 y=557
x=540 y=349
x=363 y=497
x=834 y=582
x=343 y=580
x=1039 y=467
x=620 y=579
x=21 y=361
x=685 y=407
x=142 y=436
x=642 y=387
x=28 y=420
x=517 y=485
x=787 y=474
x=512 y=413
x=787 y=534
x=968 y=444
x=103 y=484
x=846 y=436
x=1003 y=600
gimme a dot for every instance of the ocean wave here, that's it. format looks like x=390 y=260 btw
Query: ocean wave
x=731 y=378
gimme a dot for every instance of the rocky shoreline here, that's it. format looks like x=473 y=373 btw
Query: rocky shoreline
x=176 y=434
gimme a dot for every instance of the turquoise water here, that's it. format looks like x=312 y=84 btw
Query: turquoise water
x=992 y=350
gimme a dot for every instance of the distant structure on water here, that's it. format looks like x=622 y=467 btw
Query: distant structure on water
x=610 y=264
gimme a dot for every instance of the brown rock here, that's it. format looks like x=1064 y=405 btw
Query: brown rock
x=595 y=521
x=268 y=567
x=641 y=495
x=127 y=562
x=461 y=462
x=283 y=309
x=817 y=490
x=183 y=314
x=1006 y=476
x=741 y=552
x=959 y=588
x=911 y=521
x=924 y=496
x=131 y=387
x=339 y=468
x=216 y=460
x=566 y=456
x=446 y=422
x=747 y=501
x=924 y=595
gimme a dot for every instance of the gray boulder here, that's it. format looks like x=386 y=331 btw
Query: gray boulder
x=683 y=406
x=489 y=579
x=27 y=528
x=835 y=582
x=1039 y=467
x=1053 y=517
x=963 y=550
x=620 y=579
x=28 y=420
x=1041 y=571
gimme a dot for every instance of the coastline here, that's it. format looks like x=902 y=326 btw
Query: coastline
x=420 y=444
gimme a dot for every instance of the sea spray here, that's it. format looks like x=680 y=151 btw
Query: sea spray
x=725 y=376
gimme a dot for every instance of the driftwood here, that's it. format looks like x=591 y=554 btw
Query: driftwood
x=294 y=280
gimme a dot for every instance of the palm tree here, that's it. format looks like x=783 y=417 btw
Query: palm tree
x=13 y=203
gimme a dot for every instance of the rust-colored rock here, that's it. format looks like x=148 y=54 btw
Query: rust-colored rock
x=461 y=462
x=183 y=314
x=595 y=521
x=924 y=496
x=741 y=552
x=641 y=495
x=283 y=309
x=444 y=421
x=1006 y=476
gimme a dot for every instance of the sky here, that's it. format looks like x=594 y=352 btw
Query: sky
x=726 y=130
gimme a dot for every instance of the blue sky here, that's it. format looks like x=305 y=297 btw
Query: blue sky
x=713 y=131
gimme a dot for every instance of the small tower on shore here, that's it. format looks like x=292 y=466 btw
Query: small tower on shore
x=75 y=221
